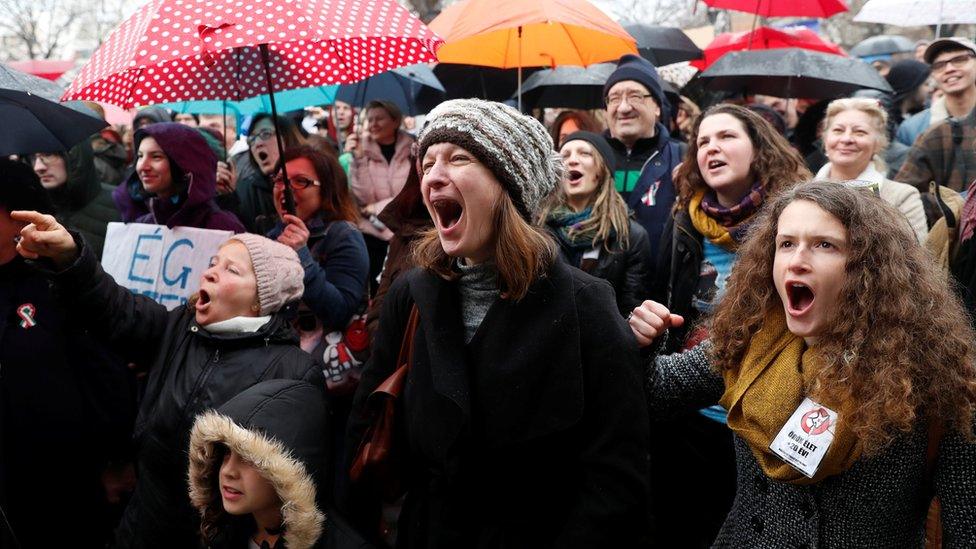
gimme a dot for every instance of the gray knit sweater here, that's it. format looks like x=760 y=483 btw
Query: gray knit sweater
x=478 y=285
x=880 y=502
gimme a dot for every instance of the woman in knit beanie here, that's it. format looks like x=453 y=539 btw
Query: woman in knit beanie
x=523 y=423
x=232 y=334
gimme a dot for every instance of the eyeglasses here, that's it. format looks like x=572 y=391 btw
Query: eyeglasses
x=46 y=158
x=296 y=181
x=630 y=98
x=956 y=62
x=262 y=135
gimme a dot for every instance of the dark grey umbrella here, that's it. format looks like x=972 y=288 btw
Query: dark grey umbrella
x=791 y=72
x=33 y=124
x=414 y=89
x=567 y=86
x=463 y=81
x=885 y=44
x=12 y=79
x=663 y=45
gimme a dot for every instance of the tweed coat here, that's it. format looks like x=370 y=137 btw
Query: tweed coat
x=879 y=502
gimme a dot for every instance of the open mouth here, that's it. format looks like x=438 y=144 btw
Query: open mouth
x=715 y=164
x=449 y=212
x=801 y=297
x=203 y=301
x=262 y=157
x=574 y=176
x=231 y=493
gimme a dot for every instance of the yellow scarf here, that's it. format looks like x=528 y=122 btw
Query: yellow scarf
x=761 y=395
x=708 y=227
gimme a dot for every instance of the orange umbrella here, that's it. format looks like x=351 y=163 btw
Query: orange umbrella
x=540 y=33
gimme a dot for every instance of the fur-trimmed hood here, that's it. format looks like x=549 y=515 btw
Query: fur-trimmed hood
x=280 y=426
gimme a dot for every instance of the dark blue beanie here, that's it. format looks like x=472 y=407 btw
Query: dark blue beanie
x=640 y=70
x=599 y=143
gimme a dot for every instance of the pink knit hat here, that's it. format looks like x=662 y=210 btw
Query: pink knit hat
x=278 y=270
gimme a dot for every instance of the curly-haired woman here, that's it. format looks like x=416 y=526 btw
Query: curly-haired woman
x=735 y=160
x=815 y=311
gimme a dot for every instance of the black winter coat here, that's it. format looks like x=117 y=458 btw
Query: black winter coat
x=699 y=457
x=189 y=371
x=677 y=273
x=64 y=413
x=256 y=209
x=532 y=435
x=628 y=271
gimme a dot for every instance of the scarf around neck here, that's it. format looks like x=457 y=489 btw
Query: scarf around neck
x=776 y=372
x=725 y=227
x=238 y=325
x=569 y=226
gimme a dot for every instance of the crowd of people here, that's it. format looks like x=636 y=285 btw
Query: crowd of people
x=644 y=326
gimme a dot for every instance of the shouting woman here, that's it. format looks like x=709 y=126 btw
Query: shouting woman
x=847 y=419
x=590 y=221
x=233 y=334
x=523 y=423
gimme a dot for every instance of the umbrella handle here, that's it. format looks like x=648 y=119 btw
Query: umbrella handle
x=289 y=195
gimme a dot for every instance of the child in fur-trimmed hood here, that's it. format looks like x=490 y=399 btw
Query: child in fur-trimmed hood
x=255 y=465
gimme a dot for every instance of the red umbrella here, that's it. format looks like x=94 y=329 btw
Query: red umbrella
x=764 y=38
x=783 y=8
x=185 y=50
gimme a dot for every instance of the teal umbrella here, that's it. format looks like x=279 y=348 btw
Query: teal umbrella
x=285 y=101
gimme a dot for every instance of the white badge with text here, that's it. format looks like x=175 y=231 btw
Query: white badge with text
x=806 y=437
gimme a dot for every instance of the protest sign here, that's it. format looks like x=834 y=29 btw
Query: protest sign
x=162 y=263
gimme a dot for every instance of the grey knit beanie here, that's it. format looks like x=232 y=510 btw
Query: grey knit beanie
x=278 y=270
x=516 y=148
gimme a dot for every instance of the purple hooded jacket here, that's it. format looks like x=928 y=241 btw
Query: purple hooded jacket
x=196 y=207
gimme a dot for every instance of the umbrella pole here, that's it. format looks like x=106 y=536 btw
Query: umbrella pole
x=289 y=196
x=224 y=121
x=755 y=20
x=520 y=68
x=938 y=26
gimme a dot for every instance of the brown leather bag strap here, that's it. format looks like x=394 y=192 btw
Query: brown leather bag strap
x=406 y=346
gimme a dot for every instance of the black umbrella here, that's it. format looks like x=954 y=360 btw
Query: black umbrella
x=464 y=81
x=663 y=45
x=791 y=72
x=568 y=86
x=885 y=44
x=12 y=79
x=34 y=124
x=414 y=89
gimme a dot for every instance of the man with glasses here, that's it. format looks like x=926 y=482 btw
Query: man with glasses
x=645 y=153
x=945 y=153
x=954 y=72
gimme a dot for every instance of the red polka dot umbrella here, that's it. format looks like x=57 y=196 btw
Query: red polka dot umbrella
x=186 y=50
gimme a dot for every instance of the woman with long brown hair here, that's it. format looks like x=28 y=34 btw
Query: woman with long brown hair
x=592 y=224
x=846 y=364
x=735 y=160
x=521 y=422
